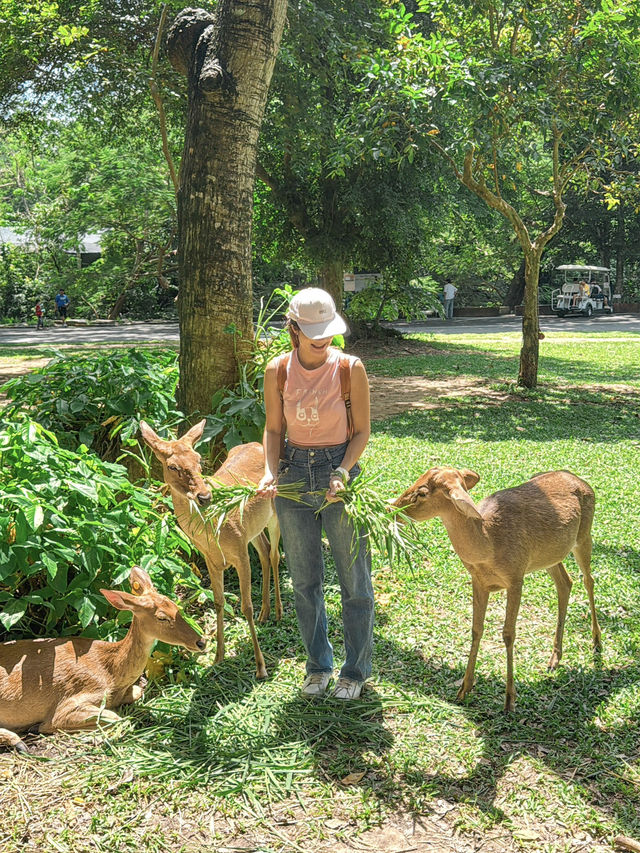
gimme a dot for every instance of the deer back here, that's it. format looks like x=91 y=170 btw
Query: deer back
x=537 y=523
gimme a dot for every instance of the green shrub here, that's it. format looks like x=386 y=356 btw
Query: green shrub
x=98 y=400
x=238 y=413
x=71 y=524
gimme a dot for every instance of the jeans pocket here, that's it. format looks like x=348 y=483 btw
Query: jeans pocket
x=283 y=468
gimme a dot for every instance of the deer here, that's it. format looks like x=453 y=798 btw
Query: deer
x=72 y=683
x=509 y=534
x=228 y=546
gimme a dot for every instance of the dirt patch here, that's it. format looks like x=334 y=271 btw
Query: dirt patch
x=10 y=371
x=391 y=395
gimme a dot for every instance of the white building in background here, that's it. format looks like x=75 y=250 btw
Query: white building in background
x=355 y=282
x=89 y=245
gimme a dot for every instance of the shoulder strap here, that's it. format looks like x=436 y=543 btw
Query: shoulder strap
x=345 y=390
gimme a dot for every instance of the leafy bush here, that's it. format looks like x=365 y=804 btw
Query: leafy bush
x=98 y=400
x=387 y=300
x=69 y=525
x=238 y=414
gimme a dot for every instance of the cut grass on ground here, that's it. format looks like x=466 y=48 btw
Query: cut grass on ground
x=212 y=760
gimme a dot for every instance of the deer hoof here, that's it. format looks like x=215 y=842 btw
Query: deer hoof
x=261 y=673
x=264 y=615
x=21 y=747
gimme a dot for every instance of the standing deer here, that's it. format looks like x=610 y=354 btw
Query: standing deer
x=228 y=546
x=507 y=535
x=69 y=684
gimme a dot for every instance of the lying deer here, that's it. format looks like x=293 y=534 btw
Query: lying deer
x=507 y=535
x=70 y=683
x=228 y=546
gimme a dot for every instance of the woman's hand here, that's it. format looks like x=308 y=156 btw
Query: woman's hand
x=336 y=485
x=267 y=487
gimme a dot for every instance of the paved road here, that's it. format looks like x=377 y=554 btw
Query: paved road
x=22 y=336
x=497 y=325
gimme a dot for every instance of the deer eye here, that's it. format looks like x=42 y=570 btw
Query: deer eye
x=423 y=492
x=162 y=616
x=173 y=467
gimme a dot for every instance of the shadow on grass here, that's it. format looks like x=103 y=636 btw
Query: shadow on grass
x=453 y=359
x=598 y=419
x=556 y=722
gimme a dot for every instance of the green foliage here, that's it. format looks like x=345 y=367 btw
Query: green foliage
x=70 y=525
x=99 y=400
x=388 y=300
x=238 y=414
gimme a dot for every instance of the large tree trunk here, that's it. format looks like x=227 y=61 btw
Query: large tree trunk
x=228 y=57
x=331 y=278
x=528 y=374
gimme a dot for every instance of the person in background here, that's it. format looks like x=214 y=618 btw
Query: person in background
x=62 y=305
x=39 y=316
x=304 y=401
x=449 y=293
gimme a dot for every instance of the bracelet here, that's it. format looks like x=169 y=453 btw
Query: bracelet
x=342 y=472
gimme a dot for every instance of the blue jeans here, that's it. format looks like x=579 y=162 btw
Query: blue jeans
x=301 y=525
x=448 y=309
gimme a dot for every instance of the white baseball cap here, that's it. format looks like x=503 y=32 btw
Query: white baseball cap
x=314 y=310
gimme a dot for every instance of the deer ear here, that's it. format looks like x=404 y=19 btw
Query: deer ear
x=194 y=434
x=470 y=477
x=140 y=581
x=153 y=440
x=121 y=600
x=463 y=502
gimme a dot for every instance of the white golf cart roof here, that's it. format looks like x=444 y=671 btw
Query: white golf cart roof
x=579 y=268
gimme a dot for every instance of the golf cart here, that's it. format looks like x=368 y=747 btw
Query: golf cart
x=585 y=290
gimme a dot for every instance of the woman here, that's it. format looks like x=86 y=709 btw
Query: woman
x=304 y=401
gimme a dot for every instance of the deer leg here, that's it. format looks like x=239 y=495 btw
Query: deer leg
x=261 y=544
x=216 y=577
x=514 y=594
x=77 y=714
x=563 y=587
x=12 y=740
x=274 y=555
x=244 y=575
x=582 y=553
x=480 y=599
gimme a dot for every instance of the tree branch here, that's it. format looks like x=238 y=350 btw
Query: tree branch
x=155 y=94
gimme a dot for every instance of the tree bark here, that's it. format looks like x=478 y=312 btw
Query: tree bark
x=228 y=57
x=528 y=373
x=331 y=278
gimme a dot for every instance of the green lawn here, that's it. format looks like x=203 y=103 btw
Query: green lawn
x=212 y=760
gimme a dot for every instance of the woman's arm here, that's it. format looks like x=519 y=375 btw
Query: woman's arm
x=273 y=428
x=360 y=412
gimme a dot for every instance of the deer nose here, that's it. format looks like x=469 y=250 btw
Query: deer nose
x=203 y=498
x=201 y=644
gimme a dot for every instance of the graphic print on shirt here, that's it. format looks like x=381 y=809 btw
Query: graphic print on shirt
x=307 y=415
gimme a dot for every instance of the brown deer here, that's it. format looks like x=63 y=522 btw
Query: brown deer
x=72 y=683
x=507 y=535
x=182 y=472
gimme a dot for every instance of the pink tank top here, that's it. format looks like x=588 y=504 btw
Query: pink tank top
x=313 y=406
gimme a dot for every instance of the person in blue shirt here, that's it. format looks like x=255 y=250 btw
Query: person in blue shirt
x=62 y=304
